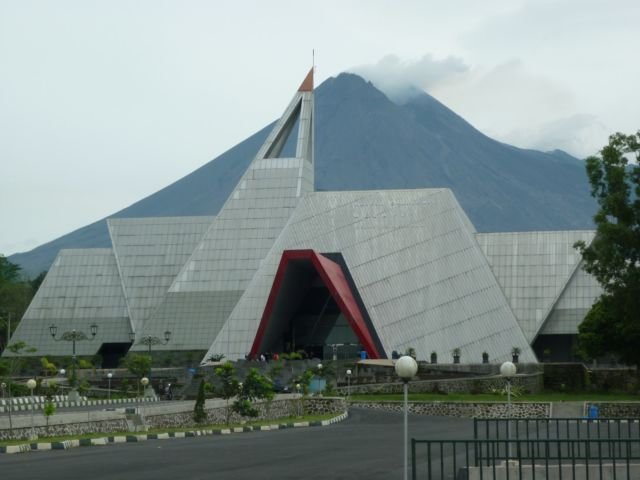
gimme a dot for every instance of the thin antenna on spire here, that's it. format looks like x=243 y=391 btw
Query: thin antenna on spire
x=313 y=58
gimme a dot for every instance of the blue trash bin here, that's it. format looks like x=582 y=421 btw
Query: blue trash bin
x=593 y=411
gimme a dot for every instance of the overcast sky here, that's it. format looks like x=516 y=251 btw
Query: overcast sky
x=105 y=102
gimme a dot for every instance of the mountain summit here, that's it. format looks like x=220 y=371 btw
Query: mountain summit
x=365 y=141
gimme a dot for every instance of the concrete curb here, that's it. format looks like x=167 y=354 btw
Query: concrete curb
x=133 y=438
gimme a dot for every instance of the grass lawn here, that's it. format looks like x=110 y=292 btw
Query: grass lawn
x=307 y=418
x=488 y=397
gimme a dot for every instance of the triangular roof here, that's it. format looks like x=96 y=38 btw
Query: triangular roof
x=415 y=262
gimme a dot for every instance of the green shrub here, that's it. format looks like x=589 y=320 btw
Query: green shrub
x=199 y=415
x=84 y=364
x=48 y=367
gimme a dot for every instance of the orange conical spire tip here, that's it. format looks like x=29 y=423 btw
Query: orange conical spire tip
x=307 y=83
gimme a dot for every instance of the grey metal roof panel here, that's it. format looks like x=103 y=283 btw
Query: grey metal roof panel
x=532 y=269
x=82 y=287
x=149 y=253
x=573 y=304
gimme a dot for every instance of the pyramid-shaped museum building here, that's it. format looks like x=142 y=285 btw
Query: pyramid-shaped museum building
x=284 y=268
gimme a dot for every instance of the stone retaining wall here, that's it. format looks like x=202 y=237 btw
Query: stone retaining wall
x=465 y=409
x=616 y=409
x=59 y=430
x=267 y=411
x=175 y=415
x=531 y=383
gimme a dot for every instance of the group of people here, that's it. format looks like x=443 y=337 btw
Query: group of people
x=166 y=390
x=262 y=357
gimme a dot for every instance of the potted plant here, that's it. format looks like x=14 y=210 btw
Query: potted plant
x=485 y=357
x=515 y=354
x=434 y=357
x=456 y=355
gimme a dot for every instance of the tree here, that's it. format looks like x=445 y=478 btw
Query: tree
x=199 y=415
x=15 y=296
x=9 y=272
x=138 y=365
x=48 y=410
x=254 y=387
x=229 y=385
x=11 y=366
x=612 y=326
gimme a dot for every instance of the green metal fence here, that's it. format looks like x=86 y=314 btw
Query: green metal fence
x=490 y=459
x=550 y=428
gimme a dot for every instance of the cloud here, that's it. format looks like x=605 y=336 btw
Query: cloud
x=506 y=101
x=581 y=135
x=399 y=78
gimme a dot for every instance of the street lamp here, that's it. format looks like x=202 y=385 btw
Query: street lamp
x=406 y=369
x=9 y=406
x=31 y=384
x=144 y=381
x=507 y=371
x=348 y=384
x=109 y=375
x=62 y=373
x=299 y=400
x=150 y=340
x=73 y=336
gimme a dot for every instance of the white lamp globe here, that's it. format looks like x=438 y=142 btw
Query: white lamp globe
x=109 y=375
x=62 y=371
x=31 y=384
x=348 y=372
x=144 y=381
x=406 y=367
x=508 y=369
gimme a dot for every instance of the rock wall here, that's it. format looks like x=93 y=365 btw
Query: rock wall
x=180 y=416
x=106 y=426
x=465 y=409
x=616 y=409
x=531 y=383
x=267 y=411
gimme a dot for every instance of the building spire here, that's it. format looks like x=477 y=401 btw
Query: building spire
x=307 y=83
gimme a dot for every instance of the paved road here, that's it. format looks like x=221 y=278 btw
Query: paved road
x=366 y=446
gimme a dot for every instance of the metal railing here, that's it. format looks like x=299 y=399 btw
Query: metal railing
x=575 y=459
x=552 y=428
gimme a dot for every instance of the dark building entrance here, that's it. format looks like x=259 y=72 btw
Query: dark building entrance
x=312 y=307
x=111 y=353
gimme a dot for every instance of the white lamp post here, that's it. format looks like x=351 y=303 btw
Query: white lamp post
x=31 y=384
x=508 y=370
x=299 y=400
x=9 y=406
x=144 y=381
x=109 y=375
x=62 y=373
x=348 y=384
x=406 y=369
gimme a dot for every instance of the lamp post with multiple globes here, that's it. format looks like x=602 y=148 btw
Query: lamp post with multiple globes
x=73 y=336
